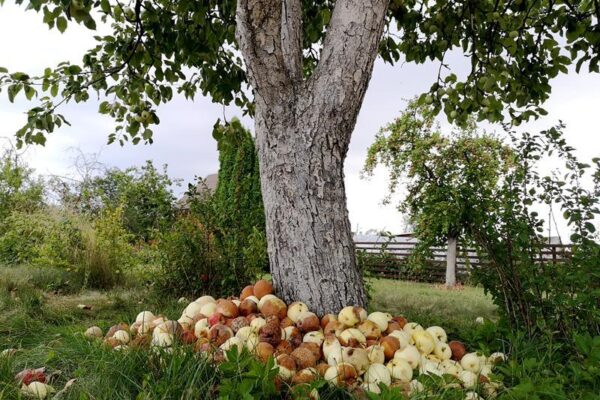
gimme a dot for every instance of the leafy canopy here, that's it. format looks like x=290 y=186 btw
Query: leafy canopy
x=449 y=179
x=158 y=47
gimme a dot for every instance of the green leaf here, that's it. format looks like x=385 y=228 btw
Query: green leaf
x=61 y=24
x=90 y=23
x=590 y=227
x=29 y=92
x=13 y=90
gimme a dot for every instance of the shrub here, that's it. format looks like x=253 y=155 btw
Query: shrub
x=193 y=261
x=22 y=234
x=106 y=251
x=533 y=293
x=98 y=252
x=144 y=194
x=236 y=207
x=188 y=259
x=220 y=244
x=42 y=237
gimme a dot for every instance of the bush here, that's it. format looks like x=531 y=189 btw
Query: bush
x=220 y=245
x=188 y=259
x=106 y=252
x=144 y=194
x=533 y=293
x=98 y=252
x=42 y=238
x=193 y=261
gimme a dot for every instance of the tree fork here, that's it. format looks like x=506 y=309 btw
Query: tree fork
x=303 y=130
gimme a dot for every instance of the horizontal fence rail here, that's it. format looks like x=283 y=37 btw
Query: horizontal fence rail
x=388 y=259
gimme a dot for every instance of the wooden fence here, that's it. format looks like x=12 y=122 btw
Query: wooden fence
x=387 y=259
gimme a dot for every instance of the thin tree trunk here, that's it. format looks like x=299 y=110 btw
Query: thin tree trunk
x=303 y=129
x=451 y=262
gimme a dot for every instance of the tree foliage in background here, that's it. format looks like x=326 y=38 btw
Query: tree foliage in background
x=448 y=179
x=156 y=48
x=489 y=193
x=19 y=189
x=144 y=193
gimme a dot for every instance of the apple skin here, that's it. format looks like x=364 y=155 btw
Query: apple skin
x=370 y=329
x=316 y=337
x=442 y=351
x=400 y=369
x=247 y=292
x=262 y=288
x=376 y=354
x=381 y=319
x=458 y=350
x=468 y=378
x=378 y=373
x=352 y=337
x=33 y=376
x=349 y=316
x=390 y=346
x=295 y=310
x=438 y=333
x=307 y=322
x=411 y=355
x=343 y=374
x=424 y=342
x=471 y=362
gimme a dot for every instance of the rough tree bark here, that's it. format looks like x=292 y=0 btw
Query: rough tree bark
x=303 y=129
x=451 y=262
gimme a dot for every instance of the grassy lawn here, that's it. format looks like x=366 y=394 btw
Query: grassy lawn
x=39 y=315
x=432 y=304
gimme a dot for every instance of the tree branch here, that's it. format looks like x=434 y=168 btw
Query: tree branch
x=291 y=37
x=258 y=31
x=349 y=52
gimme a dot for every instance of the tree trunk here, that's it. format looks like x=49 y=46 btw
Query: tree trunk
x=303 y=129
x=451 y=262
x=311 y=250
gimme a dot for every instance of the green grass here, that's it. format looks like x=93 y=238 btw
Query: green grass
x=47 y=329
x=455 y=310
x=39 y=316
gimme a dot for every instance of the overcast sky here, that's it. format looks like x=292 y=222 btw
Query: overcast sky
x=183 y=139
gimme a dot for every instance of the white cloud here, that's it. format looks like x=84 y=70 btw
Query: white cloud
x=183 y=139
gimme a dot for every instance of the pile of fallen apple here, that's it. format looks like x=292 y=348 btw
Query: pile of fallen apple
x=352 y=348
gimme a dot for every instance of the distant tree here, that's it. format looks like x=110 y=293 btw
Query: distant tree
x=19 y=189
x=237 y=212
x=145 y=195
x=448 y=178
x=238 y=193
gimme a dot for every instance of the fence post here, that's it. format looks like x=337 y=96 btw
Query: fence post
x=451 y=262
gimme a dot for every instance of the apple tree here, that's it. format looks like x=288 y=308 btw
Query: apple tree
x=301 y=68
x=448 y=179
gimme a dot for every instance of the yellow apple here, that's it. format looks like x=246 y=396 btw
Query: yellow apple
x=400 y=369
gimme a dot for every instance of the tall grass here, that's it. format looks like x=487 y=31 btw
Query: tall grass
x=98 y=251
